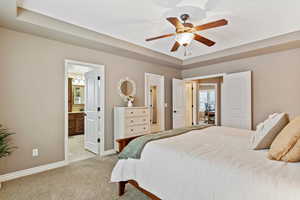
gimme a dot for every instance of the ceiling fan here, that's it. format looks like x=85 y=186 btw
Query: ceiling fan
x=186 y=32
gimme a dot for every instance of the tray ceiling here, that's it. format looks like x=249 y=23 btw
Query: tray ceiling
x=136 y=20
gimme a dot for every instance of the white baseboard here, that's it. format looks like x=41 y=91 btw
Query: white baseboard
x=108 y=152
x=82 y=158
x=34 y=170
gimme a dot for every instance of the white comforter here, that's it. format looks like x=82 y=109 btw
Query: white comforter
x=211 y=164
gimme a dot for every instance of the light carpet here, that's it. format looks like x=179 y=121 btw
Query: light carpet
x=83 y=180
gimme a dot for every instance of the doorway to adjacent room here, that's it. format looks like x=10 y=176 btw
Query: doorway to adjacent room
x=155 y=100
x=84 y=110
x=219 y=99
x=196 y=101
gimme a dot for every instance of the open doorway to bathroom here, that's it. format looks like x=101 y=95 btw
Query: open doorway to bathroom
x=84 y=110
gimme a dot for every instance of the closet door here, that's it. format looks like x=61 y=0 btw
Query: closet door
x=236 y=100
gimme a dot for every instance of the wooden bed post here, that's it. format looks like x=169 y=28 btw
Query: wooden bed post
x=122 y=185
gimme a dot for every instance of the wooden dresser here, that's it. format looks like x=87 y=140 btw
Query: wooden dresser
x=130 y=121
x=76 y=123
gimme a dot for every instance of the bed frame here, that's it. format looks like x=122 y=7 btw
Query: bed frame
x=122 y=144
x=136 y=185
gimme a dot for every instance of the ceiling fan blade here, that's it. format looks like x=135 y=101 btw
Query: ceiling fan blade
x=175 y=21
x=175 y=47
x=159 y=37
x=214 y=24
x=203 y=40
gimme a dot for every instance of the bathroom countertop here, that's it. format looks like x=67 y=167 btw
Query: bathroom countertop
x=74 y=112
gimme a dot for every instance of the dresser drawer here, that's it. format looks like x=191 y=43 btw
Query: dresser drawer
x=136 y=112
x=135 y=130
x=136 y=121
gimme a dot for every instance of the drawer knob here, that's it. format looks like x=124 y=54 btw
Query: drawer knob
x=144 y=120
x=131 y=130
x=131 y=112
x=131 y=121
x=144 y=128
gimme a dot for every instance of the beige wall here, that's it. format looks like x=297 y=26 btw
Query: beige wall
x=276 y=78
x=32 y=90
x=32 y=93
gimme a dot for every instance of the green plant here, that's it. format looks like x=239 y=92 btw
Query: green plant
x=5 y=146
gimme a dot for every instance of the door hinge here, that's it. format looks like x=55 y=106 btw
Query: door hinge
x=192 y=123
x=99 y=78
x=98 y=109
x=98 y=140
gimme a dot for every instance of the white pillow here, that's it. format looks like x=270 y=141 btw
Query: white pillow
x=267 y=131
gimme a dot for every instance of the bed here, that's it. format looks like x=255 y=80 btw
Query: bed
x=214 y=163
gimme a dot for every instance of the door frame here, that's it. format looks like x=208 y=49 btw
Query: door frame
x=162 y=96
x=101 y=69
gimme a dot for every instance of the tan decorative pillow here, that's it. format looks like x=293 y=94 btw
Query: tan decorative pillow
x=286 y=145
x=294 y=154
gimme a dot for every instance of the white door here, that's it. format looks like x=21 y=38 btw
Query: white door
x=236 y=100
x=178 y=103
x=94 y=111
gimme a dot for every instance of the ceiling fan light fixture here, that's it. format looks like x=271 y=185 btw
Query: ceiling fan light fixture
x=184 y=38
x=185 y=33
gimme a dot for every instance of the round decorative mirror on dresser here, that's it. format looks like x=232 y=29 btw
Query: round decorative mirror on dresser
x=127 y=89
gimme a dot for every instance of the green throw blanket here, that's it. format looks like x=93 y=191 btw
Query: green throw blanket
x=135 y=147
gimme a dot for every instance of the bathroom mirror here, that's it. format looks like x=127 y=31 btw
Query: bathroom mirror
x=78 y=94
x=126 y=88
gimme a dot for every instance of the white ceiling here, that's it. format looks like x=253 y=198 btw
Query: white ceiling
x=136 y=20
